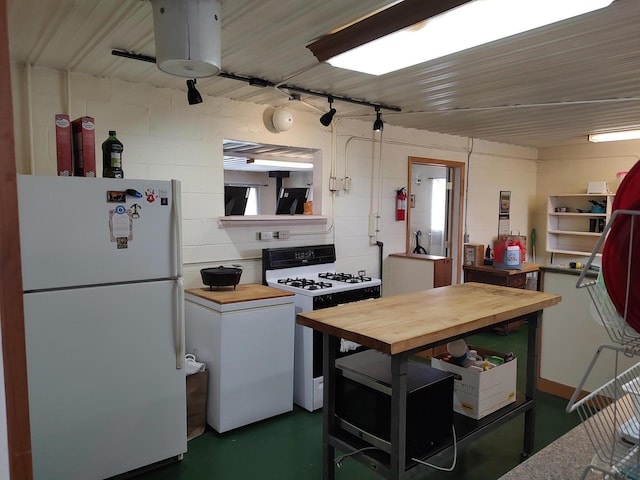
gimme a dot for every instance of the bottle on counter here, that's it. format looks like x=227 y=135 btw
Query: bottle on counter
x=112 y=157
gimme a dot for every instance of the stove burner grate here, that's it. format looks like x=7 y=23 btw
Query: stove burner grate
x=344 y=277
x=304 y=283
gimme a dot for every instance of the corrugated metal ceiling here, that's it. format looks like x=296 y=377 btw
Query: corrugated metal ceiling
x=551 y=86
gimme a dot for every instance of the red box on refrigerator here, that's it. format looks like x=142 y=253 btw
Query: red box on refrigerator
x=84 y=147
x=63 y=145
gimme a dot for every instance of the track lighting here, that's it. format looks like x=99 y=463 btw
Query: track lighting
x=328 y=117
x=193 y=95
x=378 y=125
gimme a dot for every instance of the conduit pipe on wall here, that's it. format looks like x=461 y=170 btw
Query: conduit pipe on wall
x=32 y=160
x=68 y=84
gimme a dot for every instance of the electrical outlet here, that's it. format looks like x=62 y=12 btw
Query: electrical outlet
x=265 y=235
x=339 y=183
x=332 y=184
x=347 y=183
x=282 y=235
x=362 y=273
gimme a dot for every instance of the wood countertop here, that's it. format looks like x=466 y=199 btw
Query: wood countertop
x=526 y=268
x=400 y=323
x=244 y=292
x=417 y=256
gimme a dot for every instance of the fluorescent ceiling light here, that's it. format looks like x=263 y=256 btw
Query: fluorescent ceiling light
x=278 y=163
x=471 y=24
x=615 y=136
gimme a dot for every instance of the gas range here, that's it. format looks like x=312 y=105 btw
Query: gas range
x=315 y=280
x=310 y=273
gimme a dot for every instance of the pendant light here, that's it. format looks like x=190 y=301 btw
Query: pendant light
x=187 y=37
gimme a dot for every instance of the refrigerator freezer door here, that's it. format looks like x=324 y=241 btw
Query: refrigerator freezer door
x=105 y=396
x=92 y=231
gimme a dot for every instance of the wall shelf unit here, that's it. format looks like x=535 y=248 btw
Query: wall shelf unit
x=575 y=230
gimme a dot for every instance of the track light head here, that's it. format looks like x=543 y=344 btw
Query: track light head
x=193 y=95
x=378 y=125
x=327 y=118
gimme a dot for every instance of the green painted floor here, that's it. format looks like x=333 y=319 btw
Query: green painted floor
x=288 y=447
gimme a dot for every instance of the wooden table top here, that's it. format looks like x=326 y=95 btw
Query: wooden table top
x=526 y=268
x=244 y=292
x=400 y=323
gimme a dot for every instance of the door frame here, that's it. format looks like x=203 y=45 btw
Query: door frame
x=455 y=215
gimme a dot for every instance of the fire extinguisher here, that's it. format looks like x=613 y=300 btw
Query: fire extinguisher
x=401 y=204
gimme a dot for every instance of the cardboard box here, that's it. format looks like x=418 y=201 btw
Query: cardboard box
x=84 y=147
x=63 y=145
x=473 y=255
x=477 y=394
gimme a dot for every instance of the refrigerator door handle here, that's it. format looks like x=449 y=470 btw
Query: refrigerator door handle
x=179 y=318
x=177 y=224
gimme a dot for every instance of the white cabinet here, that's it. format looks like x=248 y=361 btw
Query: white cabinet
x=569 y=337
x=408 y=273
x=571 y=228
x=245 y=337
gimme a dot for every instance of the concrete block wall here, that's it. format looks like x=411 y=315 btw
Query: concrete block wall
x=166 y=138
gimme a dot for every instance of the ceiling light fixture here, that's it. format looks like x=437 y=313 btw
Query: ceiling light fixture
x=278 y=163
x=615 y=136
x=187 y=37
x=327 y=118
x=415 y=31
x=378 y=125
x=193 y=95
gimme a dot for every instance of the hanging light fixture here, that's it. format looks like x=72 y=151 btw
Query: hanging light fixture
x=187 y=37
x=378 y=125
x=327 y=118
x=193 y=95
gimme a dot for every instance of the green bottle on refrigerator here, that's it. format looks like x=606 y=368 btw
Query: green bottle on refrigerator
x=112 y=157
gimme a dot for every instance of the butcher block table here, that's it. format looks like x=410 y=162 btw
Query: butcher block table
x=402 y=325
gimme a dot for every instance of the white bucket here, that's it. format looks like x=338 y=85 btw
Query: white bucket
x=512 y=256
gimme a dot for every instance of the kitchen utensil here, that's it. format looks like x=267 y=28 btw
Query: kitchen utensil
x=597 y=207
x=221 y=276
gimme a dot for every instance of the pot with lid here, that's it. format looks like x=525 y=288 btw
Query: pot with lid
x=221 y=276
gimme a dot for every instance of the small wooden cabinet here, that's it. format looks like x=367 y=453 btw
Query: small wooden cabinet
x=505 y=278
x=408 y=273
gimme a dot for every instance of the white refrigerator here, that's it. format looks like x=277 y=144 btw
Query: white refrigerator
x=104 y=324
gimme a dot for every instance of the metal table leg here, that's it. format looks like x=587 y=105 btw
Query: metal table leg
x=398 y=414
x=329 y=349
x=530 y=387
